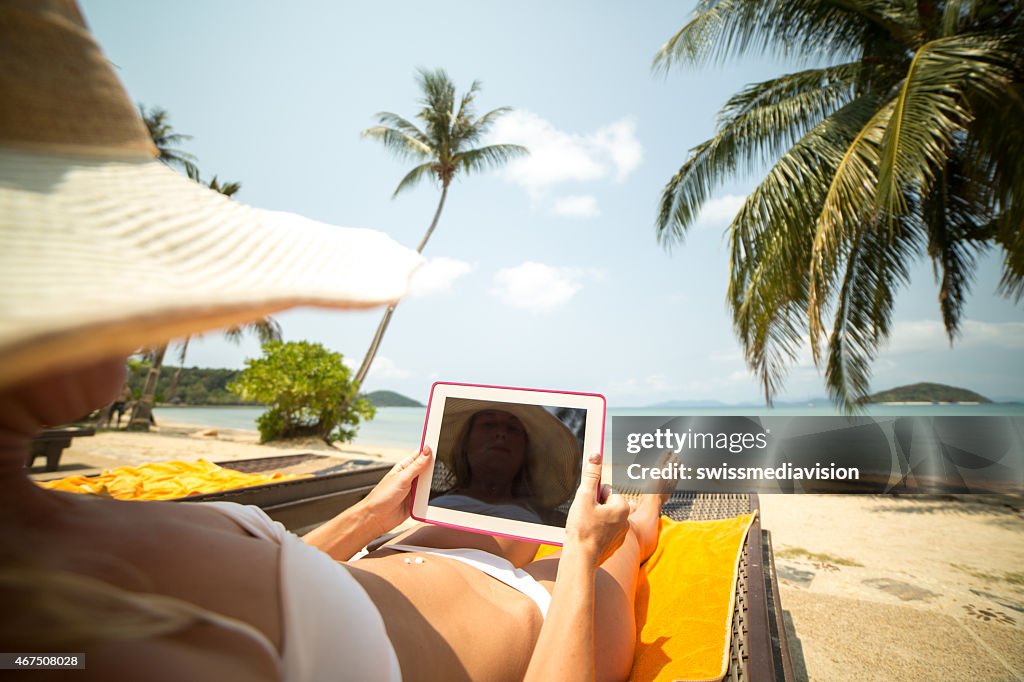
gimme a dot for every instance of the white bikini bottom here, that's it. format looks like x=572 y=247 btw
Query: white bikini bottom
x=494 y=566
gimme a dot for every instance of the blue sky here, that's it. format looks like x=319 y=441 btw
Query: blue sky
x=546 y=274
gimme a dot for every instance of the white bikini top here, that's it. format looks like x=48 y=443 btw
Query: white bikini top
x=332 y=630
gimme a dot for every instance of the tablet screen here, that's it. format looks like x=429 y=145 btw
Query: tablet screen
x=508 y=460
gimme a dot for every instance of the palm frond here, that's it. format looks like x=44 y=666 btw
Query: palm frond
x=466 y=105
x=933 y=107
x=491 y=156
x=468 y=131
x=998 y=164
x=877 y=263
x=438 y=110
x=228 y=189
x=413 y=177
x=390 y=120
x=399 y=143
x=164 y=138
x=954 y=213
x=849 y=204
x=722 y=29
x=770 y=246
x=755 y=126
x=266 y=329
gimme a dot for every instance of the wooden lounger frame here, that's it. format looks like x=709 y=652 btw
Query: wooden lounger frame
x=50 y=443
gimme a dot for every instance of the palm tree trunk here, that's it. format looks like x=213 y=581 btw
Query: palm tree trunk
x=364 y=368
x=143 y=412
x=177 y=374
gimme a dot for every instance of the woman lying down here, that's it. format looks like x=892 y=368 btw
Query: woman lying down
x=103 y=250
x=162 y=590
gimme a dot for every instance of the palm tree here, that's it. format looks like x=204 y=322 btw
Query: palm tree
x=906 y=144
x=164 y=138
x=444 y=145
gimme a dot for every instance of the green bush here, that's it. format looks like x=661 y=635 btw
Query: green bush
x=307 y=389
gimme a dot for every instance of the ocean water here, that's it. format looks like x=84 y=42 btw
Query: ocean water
x=402 y=427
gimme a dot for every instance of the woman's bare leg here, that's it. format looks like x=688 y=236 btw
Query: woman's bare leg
x=615 y=593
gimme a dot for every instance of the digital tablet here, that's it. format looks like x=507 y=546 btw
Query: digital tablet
x=507 y=461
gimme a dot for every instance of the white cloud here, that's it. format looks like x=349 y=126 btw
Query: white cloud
x=382 y=368
x=536 y=286
x=386 y=368
x=437 y=275
x=720 y=211
x=577 y=206
x=913 y=336
x=557 y=156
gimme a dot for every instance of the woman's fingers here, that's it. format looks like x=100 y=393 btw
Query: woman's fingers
x=413 y=465
x=591 y=480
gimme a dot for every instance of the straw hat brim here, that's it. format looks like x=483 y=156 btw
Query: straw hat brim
x=101 y=256
x=553 y=454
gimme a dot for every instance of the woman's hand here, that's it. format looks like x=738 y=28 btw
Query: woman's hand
x=389 y=503
x=597 y=524
x=385 y=507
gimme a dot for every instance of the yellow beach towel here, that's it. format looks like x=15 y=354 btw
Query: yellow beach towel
x=163 y=481
x=684 y=600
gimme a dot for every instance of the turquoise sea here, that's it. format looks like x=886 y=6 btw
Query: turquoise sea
x=402 y=427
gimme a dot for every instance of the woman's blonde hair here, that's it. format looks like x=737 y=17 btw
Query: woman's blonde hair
x=52 y=609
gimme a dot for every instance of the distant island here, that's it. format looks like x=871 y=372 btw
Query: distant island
x=927 y=393
x=391 y=399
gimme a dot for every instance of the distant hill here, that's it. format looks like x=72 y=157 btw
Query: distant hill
x=196 y=385
x=391 y=399
x=929 y=393
x=688 y=403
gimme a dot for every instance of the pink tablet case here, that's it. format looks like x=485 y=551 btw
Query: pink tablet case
x=423 y=438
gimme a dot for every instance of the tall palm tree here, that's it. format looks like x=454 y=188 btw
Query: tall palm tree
x=444 y=146
x=906 y=144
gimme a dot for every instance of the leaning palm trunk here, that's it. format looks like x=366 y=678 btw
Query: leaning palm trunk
x=364 y=368
x=142 y=414
x=444 y=145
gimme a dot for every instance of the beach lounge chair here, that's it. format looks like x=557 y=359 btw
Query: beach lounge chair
x=302 y=504
x=50 y=444
x=758 y=648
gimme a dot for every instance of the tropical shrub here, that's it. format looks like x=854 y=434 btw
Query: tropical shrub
x=308 y=392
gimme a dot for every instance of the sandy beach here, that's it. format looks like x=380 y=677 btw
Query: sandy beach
x=180 y=441
x=872 y=587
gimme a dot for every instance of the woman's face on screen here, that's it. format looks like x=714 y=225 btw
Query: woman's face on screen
x=496 y=446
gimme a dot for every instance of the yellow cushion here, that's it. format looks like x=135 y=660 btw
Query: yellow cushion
x=684 y=599
x=163 y=481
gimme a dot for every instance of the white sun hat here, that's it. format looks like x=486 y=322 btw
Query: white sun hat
x=104 y=249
